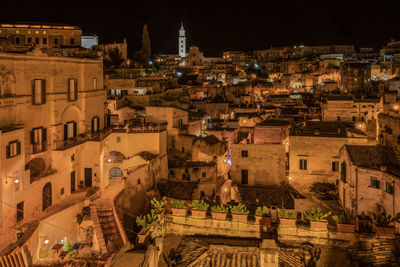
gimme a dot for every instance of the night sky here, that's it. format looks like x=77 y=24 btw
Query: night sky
x=218 y=25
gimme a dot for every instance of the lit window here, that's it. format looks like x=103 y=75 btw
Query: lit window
x=39 y=92
x=70 y=130
x=72 y=90
x=13 y=149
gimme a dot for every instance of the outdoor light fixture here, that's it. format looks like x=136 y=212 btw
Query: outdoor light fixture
x=46 y=241
x=109 y=160
x=16 y=181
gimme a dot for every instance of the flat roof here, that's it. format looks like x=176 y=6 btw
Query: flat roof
x=40 y=25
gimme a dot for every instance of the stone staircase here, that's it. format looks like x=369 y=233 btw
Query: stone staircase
x=377 y=252
x=110 y=230
x=21 y=258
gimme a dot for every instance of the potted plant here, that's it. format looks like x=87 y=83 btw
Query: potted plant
x=382 y=221
x=178 y=208
x=158 y=207
x=146 y=222
x=345 y=223
x=287 y=218
x=219 y=212
x=263 y=215
x=317 y=218
x=199 y=208
x=239 y=212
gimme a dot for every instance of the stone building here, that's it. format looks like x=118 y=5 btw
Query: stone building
x=369 y=177
x=314 y=151
x=356 y=76
x=43 y=35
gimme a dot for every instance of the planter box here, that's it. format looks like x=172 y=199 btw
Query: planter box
x=161 y=215
x=218 y=216
x=386 y=231
x=143 y=236
x=199 y=213
x=239 y=218
x=263 y=220
x=178 y=212
x=346 y=227
x=319 y=225
x=287 y=222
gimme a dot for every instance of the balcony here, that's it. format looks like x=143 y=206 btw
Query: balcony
x=37 y=148
x=81 y=138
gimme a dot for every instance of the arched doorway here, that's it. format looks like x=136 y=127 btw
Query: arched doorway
x=46 y=196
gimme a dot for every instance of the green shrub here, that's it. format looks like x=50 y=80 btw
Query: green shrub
x=344 y=218
x=178 y=204
x=262 y=211
x=158 y=205
x=285 y=214
x=68 y=247
x=239 y=209
x=199 y=205
x=219 y=209
x=316 y=214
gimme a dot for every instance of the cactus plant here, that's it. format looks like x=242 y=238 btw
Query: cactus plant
x=158 y=205
x=219 y=209
x=239 y=209
x=262 y=211
x=199 y=205
x=178 y=204
x=285 y=214
x=344 y=218
x=316 y=215
x=381 y=219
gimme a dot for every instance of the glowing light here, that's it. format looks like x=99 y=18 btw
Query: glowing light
x=46 y=241
x=396 y=107
x=290 y=178
x=225 y=189
x=16 y=181
x=109 y=160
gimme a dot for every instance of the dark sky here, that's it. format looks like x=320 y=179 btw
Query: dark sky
x=218 y=25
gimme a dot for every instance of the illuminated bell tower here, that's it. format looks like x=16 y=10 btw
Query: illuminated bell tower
x=182 y=42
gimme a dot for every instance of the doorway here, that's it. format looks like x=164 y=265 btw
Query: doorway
x=46 y=196
x=72 y=181
x=88 y=177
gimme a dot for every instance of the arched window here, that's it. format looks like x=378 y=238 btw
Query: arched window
x=115 y=172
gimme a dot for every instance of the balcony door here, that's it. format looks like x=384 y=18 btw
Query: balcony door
x=88 y=177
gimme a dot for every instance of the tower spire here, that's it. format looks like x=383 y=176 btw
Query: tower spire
x=182 y=42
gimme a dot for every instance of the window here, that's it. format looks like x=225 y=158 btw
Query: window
x=374 y=182
x=245 y=176
x=245 y=153
x=38 y=139
x=17 y=40
x=335 y=166
x=38 y=92
x=72 y=157
x=115 y=172
x=203 y=174
x=44 y=40
x=13 y=149
x=95 y=124
x=72 y=41
x=303 y=164
x=56 y=41
x=353 y=118
x=338 y=118
x=138 y=181
x=94 y=84
x=118 y=139
x=72 y=89
x=69 y=130
x=20 y=211
x=389 y=188
x=343 y=172
x=62 y=191
x=37 y=40
x=29 y=40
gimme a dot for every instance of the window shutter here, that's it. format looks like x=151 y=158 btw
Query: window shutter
x=93 y=125
x=32 y=137
x=65 y=132
x=43 y=91
x=69 y=89
x=76 y=90
x=74 y=129
x=33 y=92
x=98 y=124
x=18 y=148
x=7 y=151
x=44 y=138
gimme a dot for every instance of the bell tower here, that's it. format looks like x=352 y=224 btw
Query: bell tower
x=182 y=42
